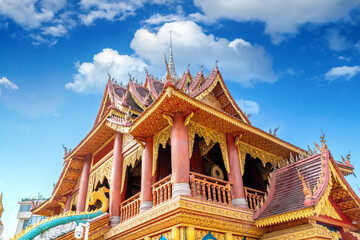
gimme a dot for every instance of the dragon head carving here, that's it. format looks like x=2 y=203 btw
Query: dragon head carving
x=100 y=195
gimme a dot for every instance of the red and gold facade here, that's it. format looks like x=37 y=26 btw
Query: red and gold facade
x=182 y=161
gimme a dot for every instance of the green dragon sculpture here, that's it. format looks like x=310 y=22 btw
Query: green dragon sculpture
x=33 y=231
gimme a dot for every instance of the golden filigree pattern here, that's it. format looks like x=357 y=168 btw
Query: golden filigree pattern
x=169 y=119
x=303 y=213
x=324 y=206
x=208 y=216
x=130 y=160
x=255 y=152
x=206 y=148
x=209 y=136
x=117 y=127
x=167 y=235
x=98 y=175
x=307 y=231
x=200 y=234
x=161 y=138
x=74 y=200
x=128 y=142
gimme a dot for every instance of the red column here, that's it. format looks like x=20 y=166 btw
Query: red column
x=115 y=185
x=146 y=176
x=180 y=161
x=196 y=161
x=235 y=176
x=67 y=203
x=80 y=207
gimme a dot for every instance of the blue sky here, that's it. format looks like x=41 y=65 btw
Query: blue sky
x=289 y=63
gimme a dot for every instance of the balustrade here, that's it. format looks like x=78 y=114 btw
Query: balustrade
x=204 y=187
x=253 y=197
x=209 y=188
x=162 y=190
x=130 y=207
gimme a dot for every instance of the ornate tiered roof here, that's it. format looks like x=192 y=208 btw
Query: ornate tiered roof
x=311 y=187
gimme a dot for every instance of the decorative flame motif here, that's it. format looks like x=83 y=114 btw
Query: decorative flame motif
x=347 y=161
x=323 y=148
x=306 y=187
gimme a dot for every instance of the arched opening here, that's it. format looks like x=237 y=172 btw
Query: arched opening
x=132 y=184
x=256 y=174
x=214 y=163
x=163 y=168
x=207 y=160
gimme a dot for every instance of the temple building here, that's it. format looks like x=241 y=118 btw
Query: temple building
x=177 y=158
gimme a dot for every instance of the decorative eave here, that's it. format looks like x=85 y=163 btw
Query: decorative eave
x=74 y=163
x=306 y=210
x=141 y=101
x=103 y=101
x=184 y=80
x=149 y=84
x=98 y=132
x=353 y=213
x=172 y=100
x=116 y=121
x=196 y=82
x=317 y=204
x=215 y=78
x=346 y=169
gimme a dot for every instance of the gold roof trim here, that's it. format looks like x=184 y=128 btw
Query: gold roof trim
x=169 y=91
x=285 y=217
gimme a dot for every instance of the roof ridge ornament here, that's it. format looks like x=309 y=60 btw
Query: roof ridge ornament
x=172 y=69
x=307 y=190
x=347 y=161
x=323 y=147
x=168 y=76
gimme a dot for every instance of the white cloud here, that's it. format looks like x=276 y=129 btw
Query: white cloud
x=25 y=13
x=336 y=41
x=281 y=17
x=344 y=58
x=157 y=19
x=107 y=9
x=344 y=72
x=6 y=83
x=55 y=31
x=238 y=60
x=92 y=76
x=248 y=106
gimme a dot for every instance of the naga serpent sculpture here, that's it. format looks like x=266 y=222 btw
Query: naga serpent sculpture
x=46 y=224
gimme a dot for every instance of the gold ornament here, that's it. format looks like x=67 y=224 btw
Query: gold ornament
x=210 y=136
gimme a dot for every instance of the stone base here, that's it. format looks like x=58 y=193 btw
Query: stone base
x=114 y=220
x=146 y=205
x=239 y=202
x=181 y=189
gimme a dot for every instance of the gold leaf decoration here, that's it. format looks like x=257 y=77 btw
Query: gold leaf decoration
x=255 y=152
x=211 y=137
x=162 y=138
x=130 y=160
x=98 y=175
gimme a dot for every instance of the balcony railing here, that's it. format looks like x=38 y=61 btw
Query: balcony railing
x=162 y=190
x=253 y=197
x=210 y=189
x=130 y=207
x=202 y=186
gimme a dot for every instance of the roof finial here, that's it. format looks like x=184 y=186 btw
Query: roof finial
x=216 y=62
x=171 y=59
x=168 y=76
